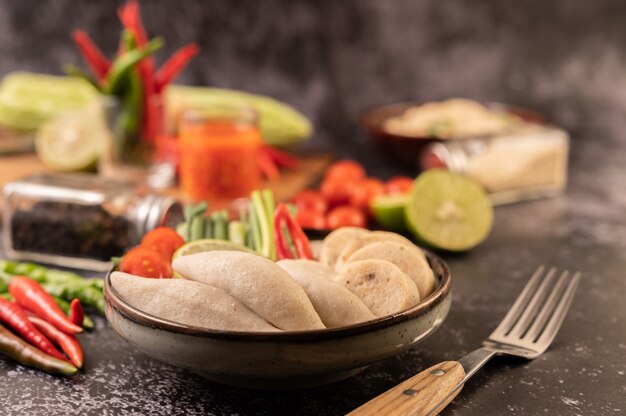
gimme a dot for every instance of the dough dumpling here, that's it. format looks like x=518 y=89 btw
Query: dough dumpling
x=369 y=238
x=380 y=284
x=257 y=282
x=335 y=304
x=336 y=241
x=188 y=303
x=410 y=259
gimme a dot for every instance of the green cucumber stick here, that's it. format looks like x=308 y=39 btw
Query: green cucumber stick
x=264 y=226
x=208 y=227
x=196 y=228
x=237 y=232
x=220 y=226
x=270 y=207
x=255 y=231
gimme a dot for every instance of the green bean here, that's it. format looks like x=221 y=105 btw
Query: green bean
x=17 y=349
x=89 y=296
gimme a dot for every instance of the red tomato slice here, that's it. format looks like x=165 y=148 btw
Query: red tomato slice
x=345 y=170
x=163 y=240
x=364 y=191
x=398 y=185
x=310 y=200
x=145 y=262
x=311 y=219
x=346 y=216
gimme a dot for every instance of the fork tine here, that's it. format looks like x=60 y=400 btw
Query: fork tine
x=518 y=307
x=530 y=311
x=552 y=327
x=547 y=308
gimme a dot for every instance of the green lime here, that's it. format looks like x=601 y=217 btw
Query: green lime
x=389 y=211
x=71 y=142
x=448 y=211
x=200 y=246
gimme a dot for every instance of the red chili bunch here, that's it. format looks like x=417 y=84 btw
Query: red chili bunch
x=135 y=54
x=42 y=328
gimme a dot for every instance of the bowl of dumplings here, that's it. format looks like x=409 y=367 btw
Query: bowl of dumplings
x=240 y=319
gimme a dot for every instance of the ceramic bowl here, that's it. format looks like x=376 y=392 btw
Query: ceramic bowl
x=407 y=149
x=293 y=359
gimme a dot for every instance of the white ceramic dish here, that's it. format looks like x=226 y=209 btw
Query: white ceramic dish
x=287 y=359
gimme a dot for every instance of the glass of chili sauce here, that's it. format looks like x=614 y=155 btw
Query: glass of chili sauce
x=219 y=145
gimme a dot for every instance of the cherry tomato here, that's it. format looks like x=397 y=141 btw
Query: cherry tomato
x=145 y=262
x=336 y=192
x=311 y=219
x=364 y=191
x=345 y=170
x=163 y=240
x=398 y=185
x=346 y=216
x=310 y=200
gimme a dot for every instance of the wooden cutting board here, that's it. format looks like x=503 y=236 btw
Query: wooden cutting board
x=312 y=167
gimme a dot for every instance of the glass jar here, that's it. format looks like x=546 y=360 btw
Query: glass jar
x=79 y=221
x=219 y=147
x=528 y=163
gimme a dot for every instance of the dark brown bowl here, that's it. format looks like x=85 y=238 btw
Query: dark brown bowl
x=407 y=149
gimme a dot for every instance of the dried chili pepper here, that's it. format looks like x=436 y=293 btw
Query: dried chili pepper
x=15 y=348
x=299 y=238
x=68 y=343
x=34 y=298
x=172 y=67
x=14 y=316
x=283 y=251
x=267 y=166
x=281 y=158
x=92 y=55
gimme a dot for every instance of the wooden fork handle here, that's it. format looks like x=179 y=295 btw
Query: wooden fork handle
x=426 y=393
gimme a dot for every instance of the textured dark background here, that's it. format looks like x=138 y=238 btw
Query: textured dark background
x=333 y=59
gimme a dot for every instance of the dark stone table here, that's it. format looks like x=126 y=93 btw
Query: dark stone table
x=583 y=373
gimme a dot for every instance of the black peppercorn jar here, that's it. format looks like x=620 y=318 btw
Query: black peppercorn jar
x=79 y=221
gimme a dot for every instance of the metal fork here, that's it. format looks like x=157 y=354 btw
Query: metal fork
x=526 y=331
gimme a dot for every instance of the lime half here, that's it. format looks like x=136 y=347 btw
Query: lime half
x=448 y=211
x=389 y=211
x=200 y=246
x=71 y=142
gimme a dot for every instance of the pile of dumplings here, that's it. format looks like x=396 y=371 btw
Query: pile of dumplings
x=361 y=275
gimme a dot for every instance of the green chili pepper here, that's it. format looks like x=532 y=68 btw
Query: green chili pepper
x=42 y=274
x=17 y=349
x=89 y=296
x=125 y=63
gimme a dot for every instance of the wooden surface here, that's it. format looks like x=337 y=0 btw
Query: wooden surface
x=311 y=168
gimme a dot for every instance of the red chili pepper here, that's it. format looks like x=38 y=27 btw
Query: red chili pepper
x=281 y=158
x=172 y=67
x=283 y=251
x=92 y=55
x=30 y=295
x=299 y=238
x=77 y=314
x=14 y=316
x=131 y=19
x=267 y=166
x=68 y=343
